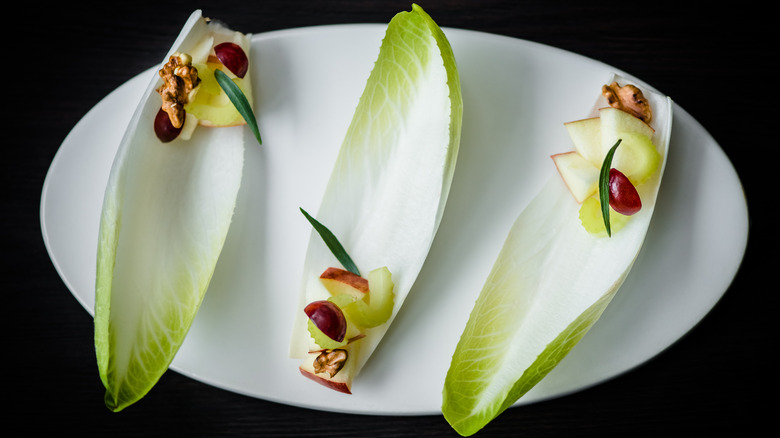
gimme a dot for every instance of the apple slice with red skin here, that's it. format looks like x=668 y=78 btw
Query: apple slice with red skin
x=341 y=382
x=331 y=382
x=580 y=175
x=340 y=281
x=615 y=123
x=585 y=134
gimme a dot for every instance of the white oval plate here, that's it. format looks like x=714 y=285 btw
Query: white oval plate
x=517 y=94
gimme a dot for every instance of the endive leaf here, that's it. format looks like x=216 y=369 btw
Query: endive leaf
x=549 y=284
x=392 y=176
x=166 y=213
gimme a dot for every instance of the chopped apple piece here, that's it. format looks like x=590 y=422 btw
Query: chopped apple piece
x=341 y=381
x=615 y=123
x=585 y=134
x=580 y=175
x=340 y=281
x=200 y=53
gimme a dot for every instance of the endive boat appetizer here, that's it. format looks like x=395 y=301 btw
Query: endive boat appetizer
x=168 y=206
x=565 y=256
x=383 y=202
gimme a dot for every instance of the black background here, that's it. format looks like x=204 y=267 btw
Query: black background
x=713 y=61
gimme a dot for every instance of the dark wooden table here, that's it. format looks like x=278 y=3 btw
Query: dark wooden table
x=714 y=62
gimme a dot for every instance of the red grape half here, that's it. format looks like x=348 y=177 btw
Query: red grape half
x=329 y=318
x=232 y=56
x=164 y=128
x=623 y=197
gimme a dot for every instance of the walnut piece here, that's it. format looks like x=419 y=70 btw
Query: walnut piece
x=330 y=361
x=179 y=79
x=629 y=99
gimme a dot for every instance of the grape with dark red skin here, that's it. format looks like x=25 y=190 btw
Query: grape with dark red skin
x=164 y=128
x=329 y=318
x=233 y=57
x=623 y=197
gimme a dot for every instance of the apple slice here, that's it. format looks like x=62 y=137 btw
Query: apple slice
x=585 y=134
x=580 y=175
x=615 y=122
x=200 y=53
x=340 y=381
x=340 y=281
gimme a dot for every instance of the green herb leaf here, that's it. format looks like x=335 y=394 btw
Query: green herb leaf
x=239 y=101
x=333 y=243
x=604 y=186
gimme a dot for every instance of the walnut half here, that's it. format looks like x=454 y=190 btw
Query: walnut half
x=330 y=361
x=179 y=79
x=629 y=99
